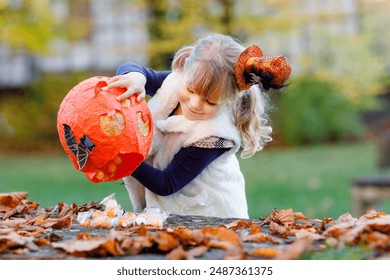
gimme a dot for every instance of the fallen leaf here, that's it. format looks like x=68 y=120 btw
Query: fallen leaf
x=278 y=229
x=299 y=216
x=226 y=237
x=255 y=229
x=20 y=251
x=372 y=214
x=381 y=224
x=196 y=252
x=165 y=241
x=9 y=201
x=378 y=240
x=239 y=224
x=78 y=246
x=285 y=217
x=177 y=254
x=265 y=252
x=13 y=240
x=307 y=234
x=259 y=237
x=340 y=226
x=188 y=237
x=295 y=249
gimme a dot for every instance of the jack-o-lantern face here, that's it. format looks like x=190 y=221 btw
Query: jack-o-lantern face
x=104 y=138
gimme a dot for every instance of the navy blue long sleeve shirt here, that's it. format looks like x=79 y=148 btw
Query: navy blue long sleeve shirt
x=188 y=163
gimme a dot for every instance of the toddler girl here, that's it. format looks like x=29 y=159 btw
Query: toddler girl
x=208 y=107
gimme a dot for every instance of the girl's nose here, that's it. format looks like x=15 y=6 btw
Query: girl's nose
x=195 y=102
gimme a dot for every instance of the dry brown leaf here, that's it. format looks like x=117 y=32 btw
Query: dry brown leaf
x=269 y=218
x=165 y=241
x=239 y=224
x=381 y=224
x=42 y=241
x=196 y=252
x=25 y=206
x=340 y=226
x=63 y=209
x=79 y=246
x=138 y=243
x=27 y=230
x=176 y=254
x=12 y=240
x=259 y=237
x=103 y=246
x=63 y=222
x=324 y=223
x=187 y=236
x=372 y=214
x=299 y=216
x=180 y=254
x=255 y=229
x=226 y=237
x=84 y=236
x=20 y=251
x=86 y=207
x=302 y=233
x=351 y=230
x=9 y=201
x=235 y=253
x=12 y=223
x=278 y=229
x=332 y=242
x=113 y=247
x=377 y=239
x=285 y=217
x=37 y=219
x=295 y=249
x=265 y=252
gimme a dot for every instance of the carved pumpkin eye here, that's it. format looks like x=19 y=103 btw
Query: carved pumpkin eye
x=120 y=133
x=112 y=124
x=143 y=124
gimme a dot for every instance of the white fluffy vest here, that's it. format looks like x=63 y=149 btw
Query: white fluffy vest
x=220 y=189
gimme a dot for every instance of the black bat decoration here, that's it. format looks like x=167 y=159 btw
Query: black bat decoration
x=80 y=150
x=70 y=141
x=87 y=143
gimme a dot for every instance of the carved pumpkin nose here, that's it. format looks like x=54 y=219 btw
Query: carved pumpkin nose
x=104 y=138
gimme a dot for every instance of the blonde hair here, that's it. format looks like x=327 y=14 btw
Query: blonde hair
x=209 y=69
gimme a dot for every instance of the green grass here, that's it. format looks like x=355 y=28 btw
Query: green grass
x=344 y=252
x=313 y=180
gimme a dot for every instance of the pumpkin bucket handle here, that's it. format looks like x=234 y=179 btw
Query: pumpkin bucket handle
x=99 y=86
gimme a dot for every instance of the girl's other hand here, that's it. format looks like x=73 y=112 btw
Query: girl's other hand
x=133 y=82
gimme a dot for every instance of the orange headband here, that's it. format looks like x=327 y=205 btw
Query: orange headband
x=253 y=68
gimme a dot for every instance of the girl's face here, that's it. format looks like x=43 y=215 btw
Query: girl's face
x=195 y=107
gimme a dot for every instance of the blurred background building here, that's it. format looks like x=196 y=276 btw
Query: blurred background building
x=119 y=32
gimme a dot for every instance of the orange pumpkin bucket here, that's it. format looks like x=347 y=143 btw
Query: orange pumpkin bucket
x=104 y=138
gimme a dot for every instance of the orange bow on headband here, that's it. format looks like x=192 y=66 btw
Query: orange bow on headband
x=253 y=68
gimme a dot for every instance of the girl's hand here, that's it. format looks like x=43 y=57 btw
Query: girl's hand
x=133 y=82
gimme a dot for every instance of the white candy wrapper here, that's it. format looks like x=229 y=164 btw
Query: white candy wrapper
x=151 y=216
x=113 y=215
